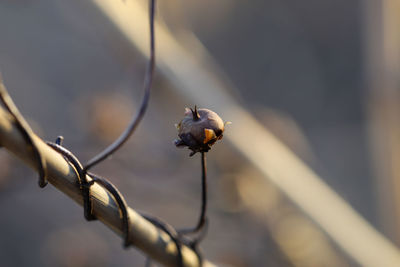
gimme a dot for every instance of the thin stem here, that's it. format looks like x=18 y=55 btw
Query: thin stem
x=202 y=218
x=136 y=120
x=203 y=212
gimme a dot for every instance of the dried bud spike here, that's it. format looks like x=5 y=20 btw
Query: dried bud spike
x=195 y=113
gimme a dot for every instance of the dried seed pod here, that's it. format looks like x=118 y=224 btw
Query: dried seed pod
x=199 y=130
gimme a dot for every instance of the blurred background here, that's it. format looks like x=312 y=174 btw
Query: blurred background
x=322 y=76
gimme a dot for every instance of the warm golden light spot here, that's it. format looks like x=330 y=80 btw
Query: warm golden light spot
x=209 y=135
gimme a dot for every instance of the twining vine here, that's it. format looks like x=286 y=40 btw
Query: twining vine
x=198 y=130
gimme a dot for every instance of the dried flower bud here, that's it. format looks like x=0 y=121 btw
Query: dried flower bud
x=199 y=130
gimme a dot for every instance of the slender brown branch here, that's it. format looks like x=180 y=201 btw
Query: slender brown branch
x=202 y=218
x=203 y=213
